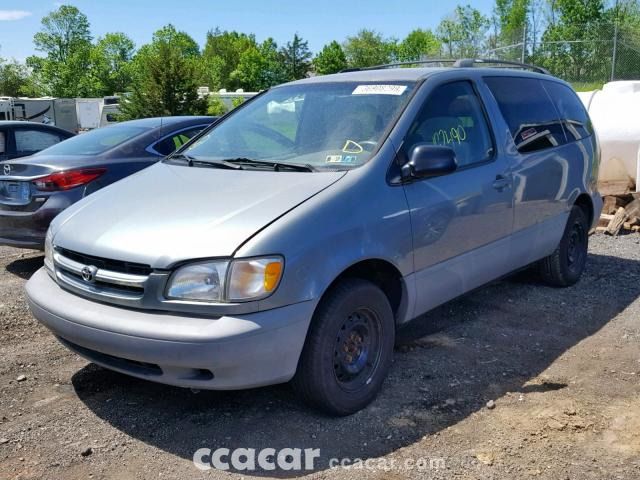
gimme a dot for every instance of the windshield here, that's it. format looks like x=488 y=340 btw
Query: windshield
x=96 y=141
x=323 y=126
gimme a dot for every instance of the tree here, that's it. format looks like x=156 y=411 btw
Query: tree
x=112 y=67
x=260 y=67
x=463 y=33
x=367 y=49
x=512 y=19
x=14 y=79
x=216 y=106
x=66 y=41
x=296 y=58
x=331 y=59
x=165 y=78
x=585 y=57
x=221 y=56
x=419 y=43
x=181 y=41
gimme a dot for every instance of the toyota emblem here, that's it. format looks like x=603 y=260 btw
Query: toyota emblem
x=7 y=170
x=89 y=273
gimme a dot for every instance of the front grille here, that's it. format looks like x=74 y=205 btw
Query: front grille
x=108 y=280
x=106 y=264
x=106 y=285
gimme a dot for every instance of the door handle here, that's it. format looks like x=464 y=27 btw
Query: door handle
x=501 y=182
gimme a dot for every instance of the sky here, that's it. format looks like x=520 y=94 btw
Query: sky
x=318 y=22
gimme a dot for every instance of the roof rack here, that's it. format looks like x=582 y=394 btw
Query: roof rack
x=459 y=63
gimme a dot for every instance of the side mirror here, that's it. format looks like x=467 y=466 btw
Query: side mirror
x=426 y=160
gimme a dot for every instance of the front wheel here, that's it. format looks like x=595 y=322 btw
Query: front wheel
x=348 y=349
x=564 y=266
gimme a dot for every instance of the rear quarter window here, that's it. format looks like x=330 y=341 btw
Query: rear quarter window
x=176 y=140
x=572 y=112
x=529 y=112
x=31 y=140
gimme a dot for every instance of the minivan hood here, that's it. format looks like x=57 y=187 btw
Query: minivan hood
x=170 y=213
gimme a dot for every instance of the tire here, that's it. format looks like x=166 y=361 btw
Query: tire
x=348 y=350
x=564 y=266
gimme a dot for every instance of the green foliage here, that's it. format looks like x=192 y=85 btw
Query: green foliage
x=221 y=56
x=14 y=79
x=260 y=67
x=419 y=43
x=181 y=41
x=331 y=59
x=237 y=101
x=366 y=49
x=296 y=59
x=216 y=106
x=111 y=58
x=512 y=19
x=165 y=78
x=578 y=20
x=65 y=40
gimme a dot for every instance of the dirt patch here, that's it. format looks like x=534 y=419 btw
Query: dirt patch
x=562 y=367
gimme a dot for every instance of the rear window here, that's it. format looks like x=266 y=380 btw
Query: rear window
x=96 y=141
x=575 y=117
x=528 y=110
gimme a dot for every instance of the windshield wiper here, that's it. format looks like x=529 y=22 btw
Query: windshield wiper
x=277 y=166
x=191 y=161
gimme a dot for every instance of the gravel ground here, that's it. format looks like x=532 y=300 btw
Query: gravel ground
x=560 y=369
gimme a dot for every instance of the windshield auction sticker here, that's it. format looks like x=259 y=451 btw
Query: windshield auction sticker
x=379 y=90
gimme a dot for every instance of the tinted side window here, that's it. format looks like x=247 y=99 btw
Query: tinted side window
x=452 y=116
x=173 y=142
x=529 y=112
x=30 y=141
x=575 y=117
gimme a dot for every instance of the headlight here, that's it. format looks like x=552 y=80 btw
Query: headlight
x=199 y=281
x=223 y=281
x=48 y=251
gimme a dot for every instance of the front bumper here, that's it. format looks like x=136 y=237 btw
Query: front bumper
x=222 y=353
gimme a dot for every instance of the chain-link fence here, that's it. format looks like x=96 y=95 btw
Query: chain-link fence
x=611 y=53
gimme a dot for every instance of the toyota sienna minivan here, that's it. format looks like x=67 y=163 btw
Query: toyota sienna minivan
x=290 y=240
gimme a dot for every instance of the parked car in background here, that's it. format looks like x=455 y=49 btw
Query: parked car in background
x=35 y=189
x=291 y=239
x=20 y=139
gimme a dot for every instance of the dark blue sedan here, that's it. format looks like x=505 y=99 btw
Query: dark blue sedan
x=34 y=189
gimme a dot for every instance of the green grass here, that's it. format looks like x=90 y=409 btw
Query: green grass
x=586 y=86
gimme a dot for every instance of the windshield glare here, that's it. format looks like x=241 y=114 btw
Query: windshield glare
x=96 y=141
x=324 y=125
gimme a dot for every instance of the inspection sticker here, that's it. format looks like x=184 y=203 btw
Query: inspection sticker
x=334 y=158
x=379 y=90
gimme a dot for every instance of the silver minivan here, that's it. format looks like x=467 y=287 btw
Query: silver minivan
x=291 y=239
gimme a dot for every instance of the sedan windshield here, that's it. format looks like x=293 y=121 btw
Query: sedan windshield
x=96 y=141
x=318 y=126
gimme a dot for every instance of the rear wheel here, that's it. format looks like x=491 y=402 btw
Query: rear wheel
x=564 y=266
x=348 y=349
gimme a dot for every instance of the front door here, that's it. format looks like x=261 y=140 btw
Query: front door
x=461 y=222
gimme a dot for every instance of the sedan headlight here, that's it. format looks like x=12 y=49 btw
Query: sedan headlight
x=223 y=281
x=48 y=251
